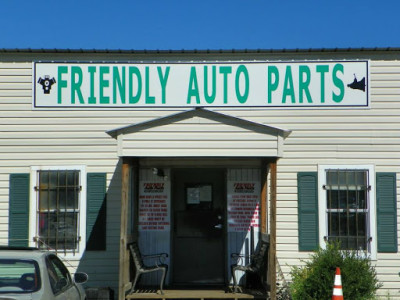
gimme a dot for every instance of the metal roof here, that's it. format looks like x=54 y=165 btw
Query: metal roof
x=203 y=51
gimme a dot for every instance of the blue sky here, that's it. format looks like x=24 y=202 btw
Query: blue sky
x=204 y=24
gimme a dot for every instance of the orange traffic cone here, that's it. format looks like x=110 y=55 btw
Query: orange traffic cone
x=337 y=286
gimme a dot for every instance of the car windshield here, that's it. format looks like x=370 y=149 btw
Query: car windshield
x=19 y=276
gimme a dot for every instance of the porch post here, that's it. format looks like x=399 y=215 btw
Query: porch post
x=123 y=253
x=264 y=197
x=272 y=245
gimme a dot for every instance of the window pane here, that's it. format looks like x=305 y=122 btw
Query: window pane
x=360 y=178
x=44 y=178
x=60 y=270
x=333 y=224
x=19 y=276
x=332 y=177
x=338 y=224
x=72 y=178
x=348 y=228
x=347 y=207
x=362 y=199
x=53 y=199
x=62 y=178
x=336 y=199
x=350 y=243
x=44 y=200
x=58 y=274
x=351 y=196
x=58 y=209
x=342 y=178
x=346 y=199
x=332 y=199
x=53 y=182
x=72 y=195
x=58 y=230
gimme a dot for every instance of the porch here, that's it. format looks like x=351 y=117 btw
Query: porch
x=197 y=294
x=198 y=187
x=268 y=179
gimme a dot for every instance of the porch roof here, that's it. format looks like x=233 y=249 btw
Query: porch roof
x=199 y=132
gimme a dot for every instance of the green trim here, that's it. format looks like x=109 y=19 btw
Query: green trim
x=18 y=222
x=96 y=211
x=386 y=205
x=307 y=191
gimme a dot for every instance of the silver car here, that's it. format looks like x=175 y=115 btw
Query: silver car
x=29 y=273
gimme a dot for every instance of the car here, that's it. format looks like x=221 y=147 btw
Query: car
x=30 y=273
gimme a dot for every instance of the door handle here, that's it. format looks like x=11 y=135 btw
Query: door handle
x=218 y=226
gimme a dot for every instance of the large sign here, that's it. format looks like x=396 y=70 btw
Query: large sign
x=323 y=84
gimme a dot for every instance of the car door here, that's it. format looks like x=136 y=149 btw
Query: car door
x=60 y=280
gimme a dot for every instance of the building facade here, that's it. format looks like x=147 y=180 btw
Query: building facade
x=195 y=153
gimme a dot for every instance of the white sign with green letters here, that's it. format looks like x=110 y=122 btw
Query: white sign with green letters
x=223 y=84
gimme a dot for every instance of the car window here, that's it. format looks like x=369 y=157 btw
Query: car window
x=58 y=274
x=19 y=276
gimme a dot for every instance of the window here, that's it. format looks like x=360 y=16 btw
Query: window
x=59 y=209
x=19 y=276
x=199 y=197
x=58 y=274
x=346 y=201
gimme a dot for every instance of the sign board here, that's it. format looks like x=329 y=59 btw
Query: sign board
x=323 y=84
x=243 y=205
x=154 y=206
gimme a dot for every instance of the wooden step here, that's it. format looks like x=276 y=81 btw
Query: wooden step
x=195 y=294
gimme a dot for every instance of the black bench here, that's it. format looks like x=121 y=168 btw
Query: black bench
x=141 y=268
x=258 y=262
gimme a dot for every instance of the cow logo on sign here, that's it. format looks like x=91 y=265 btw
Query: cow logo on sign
x=46 y=83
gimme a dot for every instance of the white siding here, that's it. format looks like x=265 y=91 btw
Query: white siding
x=199 y=137
x=333 y=136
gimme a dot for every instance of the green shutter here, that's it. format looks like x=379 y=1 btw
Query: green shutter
x=386 y=212
x=18 y=222
x=96 y=211
x=307 y=189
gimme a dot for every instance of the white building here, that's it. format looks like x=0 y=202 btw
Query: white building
x=179 y=149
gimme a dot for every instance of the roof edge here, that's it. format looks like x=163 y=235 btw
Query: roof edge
x=195 y=51
x=115 y=132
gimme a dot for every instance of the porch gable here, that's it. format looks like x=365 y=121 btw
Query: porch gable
x=199 y=133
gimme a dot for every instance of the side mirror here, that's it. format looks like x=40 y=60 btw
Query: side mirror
x=81 y=277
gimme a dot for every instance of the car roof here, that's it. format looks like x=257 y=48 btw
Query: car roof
x=22 y=253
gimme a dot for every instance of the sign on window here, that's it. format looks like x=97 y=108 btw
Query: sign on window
x=243 y=205
x=154 y=208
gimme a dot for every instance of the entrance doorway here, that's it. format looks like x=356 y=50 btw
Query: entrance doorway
x=199 y=210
